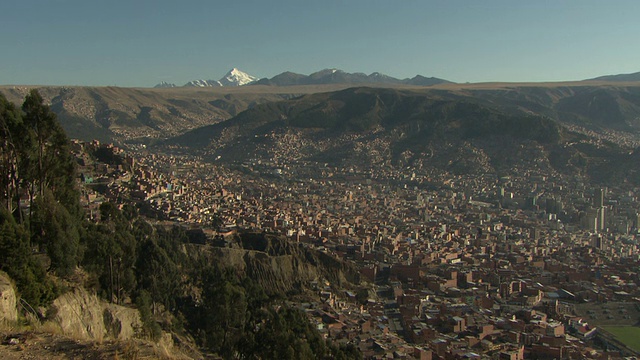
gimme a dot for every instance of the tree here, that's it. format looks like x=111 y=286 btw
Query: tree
x=13 y=139
x=111 y=253
x=50 y=163
x=157 y=274
x=57 y=232
x=223 y=312
x=171 y=242
x=41 y=121
x=16 y=260
x=150 y=328
x=282 y=332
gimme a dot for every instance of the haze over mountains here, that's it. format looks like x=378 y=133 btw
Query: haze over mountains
x=236 y=77
x=335 y=76
x=375 y=123
x=618 y=77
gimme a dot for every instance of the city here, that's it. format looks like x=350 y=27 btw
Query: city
x=459 y=266
x=348 y=180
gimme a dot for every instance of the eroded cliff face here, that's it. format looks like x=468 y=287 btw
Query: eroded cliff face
x=85 y=316
x=277 y=264
x=8 y=310
x=85 y=321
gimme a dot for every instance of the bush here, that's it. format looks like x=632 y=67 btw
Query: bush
x=150 y=328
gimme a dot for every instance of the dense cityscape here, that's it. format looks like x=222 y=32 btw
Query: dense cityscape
x=522 y=266
x=341 y=180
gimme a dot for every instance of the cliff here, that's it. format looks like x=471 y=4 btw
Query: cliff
x=8 y=311
x=83 y=315
x=277 y=264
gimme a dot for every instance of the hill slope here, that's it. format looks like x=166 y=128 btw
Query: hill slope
x=462 y=132
x=121 y=114
x=125 y=114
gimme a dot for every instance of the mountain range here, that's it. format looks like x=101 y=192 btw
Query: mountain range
x=335 y=76
x=236 y=77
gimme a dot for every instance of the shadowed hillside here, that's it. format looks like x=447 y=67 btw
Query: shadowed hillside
x=130 y=114
x=125 y=114
x=463 y=132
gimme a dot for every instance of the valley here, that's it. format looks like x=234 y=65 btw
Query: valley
x=424 y=222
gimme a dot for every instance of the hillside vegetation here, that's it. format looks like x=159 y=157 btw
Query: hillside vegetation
x=233 y=309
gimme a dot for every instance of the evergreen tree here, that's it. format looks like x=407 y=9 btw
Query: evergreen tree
x=224 y=309
x=42 y=124
x=56 y=231
x=157 y=274
x=13 y=139
x=50 y=163
x=150 y=328
x=111 y=253
x=17 y=261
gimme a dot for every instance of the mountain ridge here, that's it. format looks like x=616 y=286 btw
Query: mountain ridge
x=470 y=133
x=233 y=77
x=123 y=115
x=336 y=76
x=618 y=77
x=236 y=77
x=164 y=84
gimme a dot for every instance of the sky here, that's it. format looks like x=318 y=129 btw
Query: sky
x=139 y=43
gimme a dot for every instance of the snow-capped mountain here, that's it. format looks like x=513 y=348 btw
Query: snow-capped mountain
x=165 y=84
x=203 y=83
x=236 y=77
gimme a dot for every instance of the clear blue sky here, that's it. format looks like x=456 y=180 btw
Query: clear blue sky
x=140 y=43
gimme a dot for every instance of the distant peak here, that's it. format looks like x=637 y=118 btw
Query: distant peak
x=327 y=72
x=235 y=77
x=164 y=84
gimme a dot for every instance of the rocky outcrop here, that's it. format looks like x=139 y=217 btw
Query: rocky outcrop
x=8 y=310
x=83 y=315
x=278 y=265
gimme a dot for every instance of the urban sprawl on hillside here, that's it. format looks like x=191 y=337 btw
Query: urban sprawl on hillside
x=464 y=266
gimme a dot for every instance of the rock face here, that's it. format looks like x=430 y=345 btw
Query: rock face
x=278 y=265
x=8 y=310
x=84 y=316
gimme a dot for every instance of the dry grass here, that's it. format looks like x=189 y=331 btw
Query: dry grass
x=50 y=327
x=41 y=340
x=130 y=351
x=31 y=321
x=7 y=327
